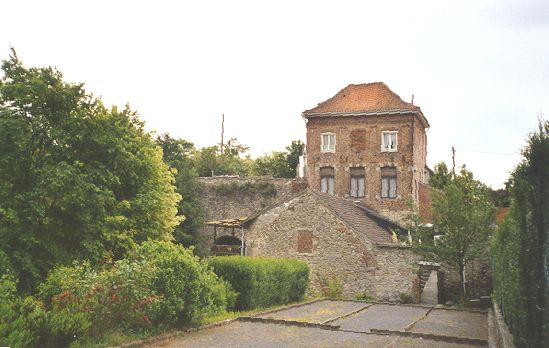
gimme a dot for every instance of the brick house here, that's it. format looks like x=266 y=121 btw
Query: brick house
x=367 y=144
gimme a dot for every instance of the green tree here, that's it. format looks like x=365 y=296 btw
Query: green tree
x=178 y=154
x=464 y=215
x=233 y=161
x=295 y=149
x=520 y=251
x=441 y=176
x=77 y=181
x=275 y=164
x=280 y=164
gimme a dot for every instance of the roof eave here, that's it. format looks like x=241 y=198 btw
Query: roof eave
x=307 y=114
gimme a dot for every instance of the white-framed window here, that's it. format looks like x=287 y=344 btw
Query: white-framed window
x=388 y=182
x=327 y=142
x=357 y=181
x=389 y=141
x=327 y=180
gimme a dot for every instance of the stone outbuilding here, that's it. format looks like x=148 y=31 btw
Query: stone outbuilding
x=341 y=240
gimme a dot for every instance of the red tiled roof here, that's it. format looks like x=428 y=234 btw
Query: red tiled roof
x=501 y=213
x=367 y=97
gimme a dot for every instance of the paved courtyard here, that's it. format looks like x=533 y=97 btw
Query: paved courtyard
x=346 y=324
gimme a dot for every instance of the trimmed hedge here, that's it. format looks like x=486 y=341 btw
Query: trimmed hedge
x=520 y=250
x=262 y=281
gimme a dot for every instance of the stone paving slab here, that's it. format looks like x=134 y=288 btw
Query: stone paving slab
x=317 y=312
x=265 y=335
x=382 y=317
x=454 y=323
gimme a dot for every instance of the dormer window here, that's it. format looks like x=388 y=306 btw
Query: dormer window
x=389 y=141
x=327 y=142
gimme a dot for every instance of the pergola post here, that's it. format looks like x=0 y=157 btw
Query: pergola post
x=242 y=246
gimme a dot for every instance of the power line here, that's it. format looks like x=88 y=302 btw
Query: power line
x=492 y=153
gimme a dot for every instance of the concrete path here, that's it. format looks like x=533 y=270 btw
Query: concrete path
x=345 y=324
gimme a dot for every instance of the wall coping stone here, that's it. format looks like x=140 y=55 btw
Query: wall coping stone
x=504 y=338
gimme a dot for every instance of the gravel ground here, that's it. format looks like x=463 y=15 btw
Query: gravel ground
x=353 y=331
x=453 y=323
x=382 y=317
x=317 y=312
x=265 y=335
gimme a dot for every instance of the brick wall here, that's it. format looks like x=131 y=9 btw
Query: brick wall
x=358 y=144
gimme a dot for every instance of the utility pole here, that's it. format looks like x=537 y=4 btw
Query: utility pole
x=454 y=162
x=222 y=131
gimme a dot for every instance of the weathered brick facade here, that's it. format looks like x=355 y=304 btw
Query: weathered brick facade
x=358 y=121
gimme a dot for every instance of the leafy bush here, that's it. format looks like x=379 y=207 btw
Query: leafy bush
x=83 y=302
x=22 y=320
x=161 y=285
x=405 y=298
x=365 y=296
x=190 y=290
x=262 y=281
x=330 y=287
x=520 y=247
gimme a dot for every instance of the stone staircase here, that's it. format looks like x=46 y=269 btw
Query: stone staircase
x=423 y=277
x=428 y=282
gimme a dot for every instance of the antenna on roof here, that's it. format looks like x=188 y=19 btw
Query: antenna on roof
x=412 y=98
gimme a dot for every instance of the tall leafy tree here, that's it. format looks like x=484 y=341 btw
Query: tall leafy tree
x=295 y=149
x=280 y=164
x=232 y=161
x=77 y=180
x=178 y=154
x=463 y=214
x=441 y=176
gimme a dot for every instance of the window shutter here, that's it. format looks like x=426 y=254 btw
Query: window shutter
x=354 y=187
x=331 y=185
x=324 y=184
x=361 y=187
x=384 y=187
x=392 y=188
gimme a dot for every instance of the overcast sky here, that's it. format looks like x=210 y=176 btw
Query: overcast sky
x=479 y=69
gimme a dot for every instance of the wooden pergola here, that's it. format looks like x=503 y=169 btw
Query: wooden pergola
x=234 y=225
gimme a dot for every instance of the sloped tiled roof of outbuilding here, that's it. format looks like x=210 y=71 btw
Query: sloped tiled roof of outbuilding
x=356 y=218
x=366 y=97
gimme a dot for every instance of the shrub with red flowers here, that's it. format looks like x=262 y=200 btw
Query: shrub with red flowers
x=161 y=285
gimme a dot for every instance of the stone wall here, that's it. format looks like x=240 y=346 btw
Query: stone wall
x=228 y=197
x=478 y=280
x=397 y=272
x=337 y=253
